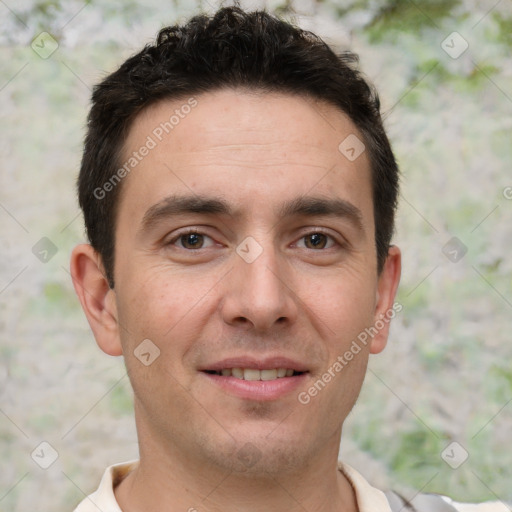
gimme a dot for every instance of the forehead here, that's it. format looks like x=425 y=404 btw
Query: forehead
x=243 y=115
x=228 y=140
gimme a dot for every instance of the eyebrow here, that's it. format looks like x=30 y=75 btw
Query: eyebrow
x=301 y=206
x=180 y=205
x=322 y=206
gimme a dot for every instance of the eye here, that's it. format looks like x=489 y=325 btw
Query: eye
x=191 y=240
x=318 y=240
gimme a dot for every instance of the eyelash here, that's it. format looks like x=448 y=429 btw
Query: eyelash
x=196 y=232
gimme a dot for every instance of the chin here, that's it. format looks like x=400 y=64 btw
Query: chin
x=261 y=452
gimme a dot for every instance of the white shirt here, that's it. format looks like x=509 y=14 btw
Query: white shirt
x=369 y=499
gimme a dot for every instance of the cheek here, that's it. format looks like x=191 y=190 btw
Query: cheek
x=171 y=310
x=146 y=310
x=345 y=303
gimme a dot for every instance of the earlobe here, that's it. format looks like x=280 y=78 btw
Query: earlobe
x=96 y=297
x=386 y=309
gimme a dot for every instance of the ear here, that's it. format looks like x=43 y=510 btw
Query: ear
x=97 y=299
x=386 y=309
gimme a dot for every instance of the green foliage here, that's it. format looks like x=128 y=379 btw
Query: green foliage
x=505 y=28
x=44 y=422
x=47 y=7
x=59 y=299
x=418 y=451
x=55 y=293
x=460 y=82
x=131 y=10
x=432 y=355
x=42 y=15
x=499 y=384
x=397 y=16
x=414 y=303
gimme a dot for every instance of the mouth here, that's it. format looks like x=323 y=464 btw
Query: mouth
x=260 y=380
x=253 y=374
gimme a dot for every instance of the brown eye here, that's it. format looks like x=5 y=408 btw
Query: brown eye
x=316 y=241
x=192 y=240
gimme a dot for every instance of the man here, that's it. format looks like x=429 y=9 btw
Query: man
x=239 y=194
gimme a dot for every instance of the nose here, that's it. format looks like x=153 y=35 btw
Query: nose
x=259 y=294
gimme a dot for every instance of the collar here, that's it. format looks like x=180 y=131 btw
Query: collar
x=368 y=498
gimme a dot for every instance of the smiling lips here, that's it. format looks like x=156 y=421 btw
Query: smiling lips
x=255 y=374
x=253 y=379
x=250 y=368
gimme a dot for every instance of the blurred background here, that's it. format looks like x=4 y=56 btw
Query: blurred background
x=435 y=413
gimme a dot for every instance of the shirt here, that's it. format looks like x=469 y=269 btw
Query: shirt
x=369 y=499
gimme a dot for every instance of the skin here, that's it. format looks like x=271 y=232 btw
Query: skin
x=308 y=302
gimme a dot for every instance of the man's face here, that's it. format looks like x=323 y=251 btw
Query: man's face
x=279 y=273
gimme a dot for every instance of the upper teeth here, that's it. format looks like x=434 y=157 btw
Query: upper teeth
x=253 y=374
